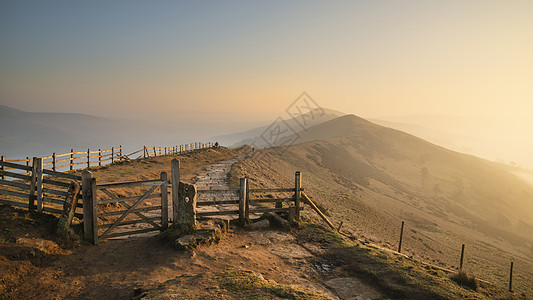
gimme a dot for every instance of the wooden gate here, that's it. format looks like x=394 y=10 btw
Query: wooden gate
x=110 y=215
x=245 y=201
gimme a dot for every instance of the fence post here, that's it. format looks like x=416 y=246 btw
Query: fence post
x=71 y=158
x=90 y=213
x=99 y=157
x=242 y=200
x=164 y=201
x=53 y=161
x=94 y=211
x=112 y=154
x=86 y=191
x=175 y=174
x=144 y=152
x=247 y=206
x=33 y=185
x=165 y=150
x=88 y=158
x=462 y=257
x=27 y=165
x=401 y=237
x=511 y=278
x=39 y=183
x=3 y=158
x=155 y=153
x=297 y=187
x=120 y=153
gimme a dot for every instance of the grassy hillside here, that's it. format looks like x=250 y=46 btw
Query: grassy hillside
x=372 y=178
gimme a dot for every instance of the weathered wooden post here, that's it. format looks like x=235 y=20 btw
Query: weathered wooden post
x=164 y=201
x=144 y=152
x=247 y=202
x=94 y=223
x=69 y=209
x=39 y=183
x=71 y=159
x=2 y=159
x=292 y=213
x=120 y=153
x=87 y=205
x=53 y=161
x=462 y=257
x=33 y=185
x=401 y=237
x=155 y=153
x=88 y=158
x=99 y=157
x=165 y=150
x=511 y=278
x=112 y=154
x=175 y=174
x=297 y=193
x=90 y=213
x=28 y=165
x=242 y=200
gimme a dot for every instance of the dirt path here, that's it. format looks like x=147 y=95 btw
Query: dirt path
x=216 y=178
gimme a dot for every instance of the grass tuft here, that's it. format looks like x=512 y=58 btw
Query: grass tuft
x=462 y=278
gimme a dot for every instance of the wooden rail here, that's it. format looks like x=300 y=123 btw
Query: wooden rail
x=36 y=189
x=93 y=158
x=262 y=196
x=109 y=221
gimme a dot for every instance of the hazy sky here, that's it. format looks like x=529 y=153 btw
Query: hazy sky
x=371 y=58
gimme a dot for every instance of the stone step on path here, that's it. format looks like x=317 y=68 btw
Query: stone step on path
x=216 y=178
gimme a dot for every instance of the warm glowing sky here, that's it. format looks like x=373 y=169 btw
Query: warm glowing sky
x=370 y=58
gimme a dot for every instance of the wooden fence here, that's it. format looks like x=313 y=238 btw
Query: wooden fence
x=89 y=158
x=34 y=187
x=93 y=158
x=37 y=184
x=158 y=151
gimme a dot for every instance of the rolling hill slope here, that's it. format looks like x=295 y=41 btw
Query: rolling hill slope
x=253 y=136
x=373 y=177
